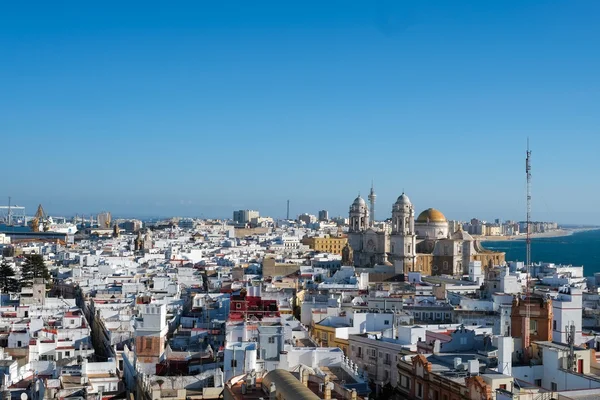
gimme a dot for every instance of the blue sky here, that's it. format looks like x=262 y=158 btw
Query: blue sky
x=198 y=108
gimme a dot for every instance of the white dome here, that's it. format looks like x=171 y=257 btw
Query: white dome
x=403 y=200
x=359 y=201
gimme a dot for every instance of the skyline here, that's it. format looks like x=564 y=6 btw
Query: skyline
x=204 y=109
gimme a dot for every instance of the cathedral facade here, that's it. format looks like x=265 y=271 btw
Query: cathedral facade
x=424 y=244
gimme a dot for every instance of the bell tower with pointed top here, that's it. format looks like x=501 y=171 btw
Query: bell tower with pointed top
x=372 y=197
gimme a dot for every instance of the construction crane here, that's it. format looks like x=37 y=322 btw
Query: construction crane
x=40 y=217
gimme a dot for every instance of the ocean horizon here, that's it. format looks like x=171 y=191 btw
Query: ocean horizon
x=576 y=249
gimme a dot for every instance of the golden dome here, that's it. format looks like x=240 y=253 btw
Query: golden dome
x=431 y=215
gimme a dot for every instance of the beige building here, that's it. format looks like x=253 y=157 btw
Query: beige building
x=424 y=244
x=273 y=268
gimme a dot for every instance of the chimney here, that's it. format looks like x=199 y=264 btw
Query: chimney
x=326 y=388
x=505 y=349
x=305 y=377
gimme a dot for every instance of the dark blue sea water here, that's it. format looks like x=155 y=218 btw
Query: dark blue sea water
x=581 y=248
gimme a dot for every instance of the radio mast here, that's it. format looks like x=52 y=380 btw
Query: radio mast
x=526 y=323
x=528 y=240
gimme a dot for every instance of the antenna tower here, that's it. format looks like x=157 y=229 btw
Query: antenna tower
x=526 y=322
x=528 y=240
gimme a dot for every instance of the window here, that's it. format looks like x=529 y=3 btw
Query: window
x=538 y=382
x=67 y=354
x=238 y=306
x=404 y=382
x=419 y=390
x=233 y=363
x=533 y=325
x=503 y=386
x=271 y=339
x=72 y=322
x=386 y=322
x=360 y=352
x=387 y=360
x=19 y=343
x=554 y=386
x=554 y=324
x=386 y=375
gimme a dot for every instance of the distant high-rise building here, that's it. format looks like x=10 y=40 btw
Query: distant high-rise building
x=132 y=225
x=244 y=216
x=307 y=218
x=104 y=220
x=323 y=215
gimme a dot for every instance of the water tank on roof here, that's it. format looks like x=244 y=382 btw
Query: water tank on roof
x=473 y=367
x=457 y=362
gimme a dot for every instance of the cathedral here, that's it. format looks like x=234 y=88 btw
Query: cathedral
x=424 y=244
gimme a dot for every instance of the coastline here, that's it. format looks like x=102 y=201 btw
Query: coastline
x=552 y=234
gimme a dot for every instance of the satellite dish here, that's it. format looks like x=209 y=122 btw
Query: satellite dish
x=24 y=396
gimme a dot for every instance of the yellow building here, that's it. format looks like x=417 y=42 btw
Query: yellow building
x=325 y=335
x=326 y=244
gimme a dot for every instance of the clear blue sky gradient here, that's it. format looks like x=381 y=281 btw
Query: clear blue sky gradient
x=198 y=108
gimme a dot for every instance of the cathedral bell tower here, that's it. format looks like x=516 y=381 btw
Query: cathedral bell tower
x=403 y=239
x=359 y=215
x=359 y=222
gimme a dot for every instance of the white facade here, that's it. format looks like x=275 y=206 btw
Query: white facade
x=567 y=311
x=553 y=374
x=403 y=240
x=475 y=272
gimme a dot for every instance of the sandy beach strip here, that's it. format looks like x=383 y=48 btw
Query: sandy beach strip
x=551 y=234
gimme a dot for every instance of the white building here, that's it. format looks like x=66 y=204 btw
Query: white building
x=567 y=311
x=551 y=372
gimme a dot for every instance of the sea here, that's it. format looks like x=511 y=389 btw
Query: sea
x=579 y=248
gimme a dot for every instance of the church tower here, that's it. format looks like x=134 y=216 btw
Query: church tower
x=359 y=221
x=372 y=198
x=403 y=239
x=359 y=215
